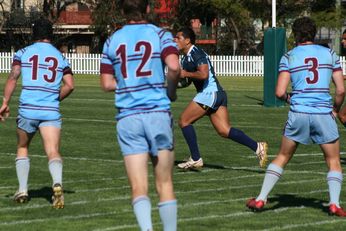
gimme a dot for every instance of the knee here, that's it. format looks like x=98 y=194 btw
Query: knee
x=183 y=122
x=138 y=190
x=165 y=189
x=53 y=154
x=223 y=132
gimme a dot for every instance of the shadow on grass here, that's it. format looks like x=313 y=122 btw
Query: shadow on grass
x=213 y=166
x=44 y=192
x=286 y=201
x=259 y=101
x=219 y=166
x=343 y=161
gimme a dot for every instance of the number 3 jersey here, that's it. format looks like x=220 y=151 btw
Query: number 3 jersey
x=135 y=54
x=311 y=68
x=42 y=69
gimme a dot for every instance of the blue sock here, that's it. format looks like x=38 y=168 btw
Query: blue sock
x=334 y=180
x=142 y=208
x=168 y=215
x=22 y=169
x=240 y=137
x=273 y=174
x=191 y=140
x=55 y=169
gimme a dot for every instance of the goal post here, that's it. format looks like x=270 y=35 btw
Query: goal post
x=274 y=48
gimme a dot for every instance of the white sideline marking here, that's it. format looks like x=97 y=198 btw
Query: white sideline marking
x=67 y=157
x=306 y=224
x=74 y=217
x=176 y=192
x=175 y=183
x=182 y=220
x=121 y=161
x=81 y=216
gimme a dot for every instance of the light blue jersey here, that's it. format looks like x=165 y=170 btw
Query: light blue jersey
x=135 y=54
x=42 y=69
x=310 y=67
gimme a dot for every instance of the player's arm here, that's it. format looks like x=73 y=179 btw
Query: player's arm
x=107 y=82
x=281 y=86
x=10 y=86
x=201 y=73
x=338 y=80
x=67 y=87
x=173 y=74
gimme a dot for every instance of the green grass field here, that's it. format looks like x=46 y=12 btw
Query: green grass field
x=96 y=188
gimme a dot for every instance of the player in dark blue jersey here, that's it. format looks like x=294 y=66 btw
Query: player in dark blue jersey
x=342 y=113
x=309 y=68
x=210 y=100
x=43 y=69
x=131 y=67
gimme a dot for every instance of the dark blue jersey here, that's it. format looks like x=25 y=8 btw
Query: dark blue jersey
x=190 y=62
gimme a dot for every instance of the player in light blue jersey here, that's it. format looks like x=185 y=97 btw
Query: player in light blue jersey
x=210 y=100
x=132 y=67
x=43 y=69
x=309 y=68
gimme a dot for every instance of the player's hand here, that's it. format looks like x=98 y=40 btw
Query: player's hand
x=183 y=74
x=4 y=112
x=335 y=114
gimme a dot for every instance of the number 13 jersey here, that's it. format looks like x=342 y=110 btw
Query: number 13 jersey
x=42 y=69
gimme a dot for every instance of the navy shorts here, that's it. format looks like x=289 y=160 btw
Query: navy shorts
x=211 y=101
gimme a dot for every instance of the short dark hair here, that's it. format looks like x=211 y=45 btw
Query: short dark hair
x=188 y=33
x=304 y=30
x=344 y=32
x=134 y=9
x=42 y=29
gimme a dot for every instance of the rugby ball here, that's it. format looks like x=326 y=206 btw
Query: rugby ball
x=184 y=82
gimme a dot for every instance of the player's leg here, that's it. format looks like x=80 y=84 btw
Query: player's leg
x=25 y=132
x=274 y=172
x=326 y=134
x=163 y=167
x=221 y=122
x=50 y=133
x=275 y=169
x=22 y=165
x=134 y=146
x=191 y=113
x=158 y=130
x=137 y=171
x=342 y=115
x=334 y=177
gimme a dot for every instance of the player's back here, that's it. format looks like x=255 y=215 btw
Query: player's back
x=42 y=68
x=136 y=55
x=311 y=67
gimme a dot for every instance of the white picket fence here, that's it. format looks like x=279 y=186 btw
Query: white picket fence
x=223 y=65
